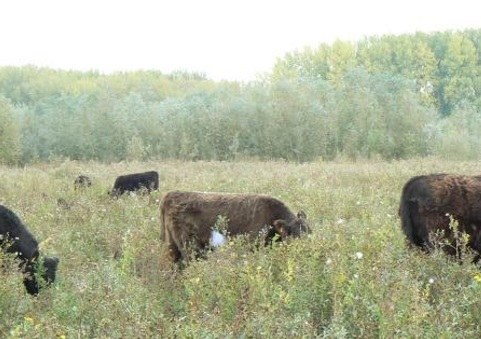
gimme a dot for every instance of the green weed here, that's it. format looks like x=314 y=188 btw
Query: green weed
x=353 y=277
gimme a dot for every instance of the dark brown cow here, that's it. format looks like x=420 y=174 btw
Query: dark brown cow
x=16 y=238
x=188 y=218
x=429 y=202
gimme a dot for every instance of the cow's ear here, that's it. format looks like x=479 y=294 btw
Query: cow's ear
x=280 y=226
x=301 y=215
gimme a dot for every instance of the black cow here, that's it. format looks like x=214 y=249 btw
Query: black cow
x=15 y=238
x=147 y=181
x=82 y=181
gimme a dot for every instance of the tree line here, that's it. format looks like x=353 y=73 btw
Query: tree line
x=387 y=97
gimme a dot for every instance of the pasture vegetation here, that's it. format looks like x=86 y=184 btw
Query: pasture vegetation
x=354 y=277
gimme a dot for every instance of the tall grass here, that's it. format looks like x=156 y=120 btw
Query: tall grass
x=354 y=277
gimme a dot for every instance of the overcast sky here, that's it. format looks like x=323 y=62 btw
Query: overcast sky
x=234 y=40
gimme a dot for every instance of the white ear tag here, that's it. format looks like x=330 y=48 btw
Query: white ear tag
x=217 y=239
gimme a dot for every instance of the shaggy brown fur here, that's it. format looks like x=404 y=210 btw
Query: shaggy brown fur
x=187 y=219
x=429 y=201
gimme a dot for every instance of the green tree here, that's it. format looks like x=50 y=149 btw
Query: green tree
x=457 y=135
x=380 y=114
x=375 y=54
x=10 y=137
x=308 y=64
x=341 y=59
x=459 y=68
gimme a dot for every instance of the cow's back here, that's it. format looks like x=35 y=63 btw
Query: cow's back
x=13 y=230
x=244 y=213
x=456 y=195
x=136 y=181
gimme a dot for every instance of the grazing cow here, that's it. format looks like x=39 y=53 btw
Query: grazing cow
x=188 y=218
x=15 y=238
x=82 y=181
x=429 y=202
x=148 y=181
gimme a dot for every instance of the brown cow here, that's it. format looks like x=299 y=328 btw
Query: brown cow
x=188 y=218
x=428 y=203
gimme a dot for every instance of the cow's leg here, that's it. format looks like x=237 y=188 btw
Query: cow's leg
x=174 y=253
x=172 y=248
x=475 y=241
x=435 y=231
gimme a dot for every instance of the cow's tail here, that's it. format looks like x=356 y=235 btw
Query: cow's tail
x=408 y=213
x=162 y=222
x=406 y=220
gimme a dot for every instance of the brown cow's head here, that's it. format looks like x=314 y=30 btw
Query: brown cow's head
x=283 y=229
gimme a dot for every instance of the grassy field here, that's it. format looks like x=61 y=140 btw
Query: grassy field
x=354 y=277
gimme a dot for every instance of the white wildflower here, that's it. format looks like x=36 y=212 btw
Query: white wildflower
x=359 y=255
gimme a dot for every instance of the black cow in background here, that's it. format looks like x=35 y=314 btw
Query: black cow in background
x=15 y=238
x=148 y=181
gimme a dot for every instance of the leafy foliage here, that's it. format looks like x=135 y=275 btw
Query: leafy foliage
x=10 y=138
x=387 y=97
x=444 y=65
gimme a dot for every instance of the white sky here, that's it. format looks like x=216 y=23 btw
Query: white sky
x=234 y=40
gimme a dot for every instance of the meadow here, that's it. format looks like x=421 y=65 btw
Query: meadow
x=353 y=277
